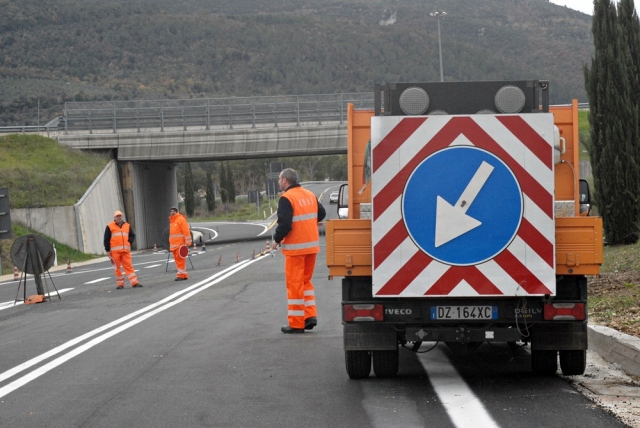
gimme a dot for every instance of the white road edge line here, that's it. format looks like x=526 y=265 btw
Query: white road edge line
x=7 y=305
x=461 y=404
x=12 y=372
x=80 y=349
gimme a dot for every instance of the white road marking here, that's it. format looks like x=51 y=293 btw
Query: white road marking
x=160 y=306
x=461 y=404
x=7 y=305
x=152 y=266
x=97 y=280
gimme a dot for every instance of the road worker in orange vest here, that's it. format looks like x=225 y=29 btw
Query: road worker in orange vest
x=118 y=237
x=298 y=215
x=179 y=235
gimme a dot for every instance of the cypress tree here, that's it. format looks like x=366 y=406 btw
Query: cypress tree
x=210 y=196
x=224 y=195
x=189 y=191
x=231 y=185
x=611 y=110
x=630 y=26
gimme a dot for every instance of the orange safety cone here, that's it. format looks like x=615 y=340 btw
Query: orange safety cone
x=194 y=246
x=268 y=246
x=69 y=266
x=16 y=276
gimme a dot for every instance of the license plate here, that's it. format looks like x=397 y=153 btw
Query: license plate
x=464 y=312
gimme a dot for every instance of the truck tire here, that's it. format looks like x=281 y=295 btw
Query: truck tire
x=573 y=362
x=544 y=363
x=358 y=364
x=385 y=363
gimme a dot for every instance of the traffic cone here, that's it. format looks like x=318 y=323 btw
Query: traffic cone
x=69 y=266
x=155 y=248
x=268 y=247
x=194 y=247
x=16 y=276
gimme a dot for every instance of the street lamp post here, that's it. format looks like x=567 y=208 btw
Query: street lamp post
x=439 y=14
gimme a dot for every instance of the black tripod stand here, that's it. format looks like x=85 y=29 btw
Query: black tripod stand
x=35 y=254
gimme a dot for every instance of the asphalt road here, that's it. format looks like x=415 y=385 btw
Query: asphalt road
x=208 y=352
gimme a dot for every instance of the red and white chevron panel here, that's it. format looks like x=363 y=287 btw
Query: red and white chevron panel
x=525 y=144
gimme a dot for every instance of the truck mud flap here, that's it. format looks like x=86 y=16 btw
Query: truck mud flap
x=559 y=336
x=369 y=337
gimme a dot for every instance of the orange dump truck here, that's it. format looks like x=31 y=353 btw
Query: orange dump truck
x=467 y=223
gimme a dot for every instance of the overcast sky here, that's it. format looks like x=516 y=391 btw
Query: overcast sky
x=584 y=6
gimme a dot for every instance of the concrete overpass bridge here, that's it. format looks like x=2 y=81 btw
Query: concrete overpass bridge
x=149 y=137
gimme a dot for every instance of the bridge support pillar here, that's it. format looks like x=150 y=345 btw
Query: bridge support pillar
x=149 y=189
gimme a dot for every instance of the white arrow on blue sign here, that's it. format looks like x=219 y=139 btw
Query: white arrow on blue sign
x=462 y=205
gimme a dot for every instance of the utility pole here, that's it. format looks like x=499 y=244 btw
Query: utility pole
x=439 y=14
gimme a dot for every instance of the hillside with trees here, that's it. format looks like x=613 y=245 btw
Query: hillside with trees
x=53 y=51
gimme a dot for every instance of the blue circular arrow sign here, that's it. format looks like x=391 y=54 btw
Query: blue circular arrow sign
x=462 y=205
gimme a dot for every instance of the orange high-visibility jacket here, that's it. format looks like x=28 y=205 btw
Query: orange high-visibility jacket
x=119 y=237
x=303 y=237
x=179 y=233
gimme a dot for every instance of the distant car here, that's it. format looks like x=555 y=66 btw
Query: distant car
x=333 y=197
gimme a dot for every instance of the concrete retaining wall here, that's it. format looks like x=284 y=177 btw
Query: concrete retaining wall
x=58 y=223
x=75 y=226
x=96 y=207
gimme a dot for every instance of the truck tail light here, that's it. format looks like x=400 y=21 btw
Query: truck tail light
x=366 y=312
x=564 y=311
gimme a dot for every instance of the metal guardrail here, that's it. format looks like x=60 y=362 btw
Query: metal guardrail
x=27 y=129
x=205 y=113
x=51 y=126
x=202 y=113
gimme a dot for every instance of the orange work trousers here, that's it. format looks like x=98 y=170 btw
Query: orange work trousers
x=181 y=264
x=301 y=297
x=123 y=259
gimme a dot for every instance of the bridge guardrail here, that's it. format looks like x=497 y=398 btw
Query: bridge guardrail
x=132 y=116
x=202 y=113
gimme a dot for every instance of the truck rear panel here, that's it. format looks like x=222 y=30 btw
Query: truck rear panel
x=464 y=228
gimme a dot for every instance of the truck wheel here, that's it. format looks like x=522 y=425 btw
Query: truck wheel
x=385 y=363
x=544 y=363
x=358 y=364
x=573 y=362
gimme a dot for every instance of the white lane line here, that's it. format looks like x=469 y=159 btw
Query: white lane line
x=191 y=291
x=7 y=305
x=461 y=404
x=97 y=280
x=211 y=231
x=57 y=350
x=152 y=266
